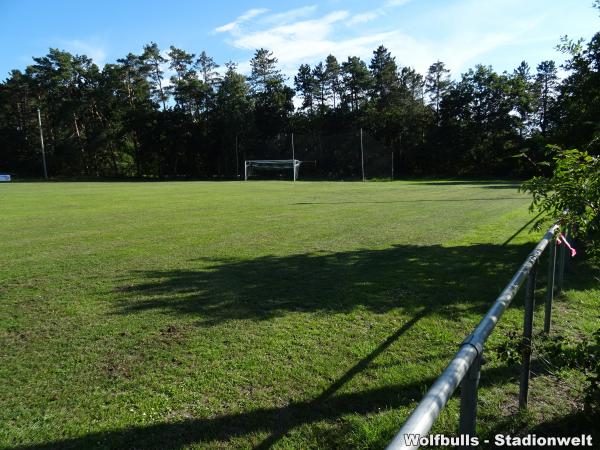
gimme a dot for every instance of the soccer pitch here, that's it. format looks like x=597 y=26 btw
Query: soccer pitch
x=254 y=314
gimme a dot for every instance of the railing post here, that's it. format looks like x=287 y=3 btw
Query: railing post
x=468 y=398
x=562 y=260
x=550 y=286
x=527 y=335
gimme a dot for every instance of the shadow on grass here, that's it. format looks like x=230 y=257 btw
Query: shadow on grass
x=421 y=280
x=488 y=184
x=442 y=280
x=277 y=422
x=520 y=230
x=440 y=200
x=574 y=424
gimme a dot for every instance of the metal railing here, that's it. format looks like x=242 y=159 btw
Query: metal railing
x=466 y=364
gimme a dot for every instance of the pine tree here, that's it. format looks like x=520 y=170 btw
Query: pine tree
x=154 y=60
x=357 y=81
x=264 y=71
x=437 y=83
x=319 y=75
x=546 y=80
x=523 y=97
x=207 y=67
x=384 y=71
x=333 y=79
x=185 y=75
x=305 y=84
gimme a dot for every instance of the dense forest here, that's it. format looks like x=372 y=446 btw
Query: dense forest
x=129 y=119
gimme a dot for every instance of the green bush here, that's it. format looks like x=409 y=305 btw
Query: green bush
x=584 y=356
x=592 y=355
x=571 y=195
x=556 y=353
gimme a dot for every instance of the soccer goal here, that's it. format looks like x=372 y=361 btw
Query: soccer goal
x=254 y=165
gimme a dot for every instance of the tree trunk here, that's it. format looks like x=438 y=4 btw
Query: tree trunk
x=160 y=89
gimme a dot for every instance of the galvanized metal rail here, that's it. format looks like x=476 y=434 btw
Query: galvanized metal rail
x=465 y=366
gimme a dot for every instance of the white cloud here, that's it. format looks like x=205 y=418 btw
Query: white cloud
x=248 y=15
x=227 y=27
x=93 y=48
x=464 y=31
x=289 y=16
x=251 y=13
x=364 y=17
x=396 y=2
x=292 y=43
x=305 y=32
x=468 y=30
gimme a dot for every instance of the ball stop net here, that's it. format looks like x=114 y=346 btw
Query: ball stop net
x=254 y=165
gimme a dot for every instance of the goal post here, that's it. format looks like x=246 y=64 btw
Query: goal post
x=251 y=166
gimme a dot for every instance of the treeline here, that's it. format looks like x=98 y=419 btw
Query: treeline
x=129 y=120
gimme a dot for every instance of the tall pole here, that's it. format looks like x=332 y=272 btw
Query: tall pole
x=362 y=156
x=293 y=158
x=42 y=142
x=237 y=159
x=392 y=165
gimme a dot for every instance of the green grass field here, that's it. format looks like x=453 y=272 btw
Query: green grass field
x=258 y=314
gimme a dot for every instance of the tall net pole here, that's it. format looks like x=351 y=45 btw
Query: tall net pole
x=392 y=165
x=362 y=155
x=42 y=143
x=293 y=158
x=237 y=159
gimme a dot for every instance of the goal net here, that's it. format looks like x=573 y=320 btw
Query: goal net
x=254 y=165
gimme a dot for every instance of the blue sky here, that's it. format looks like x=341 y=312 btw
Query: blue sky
x=461 y=33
